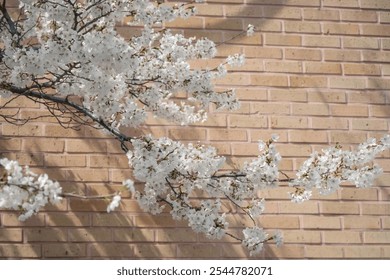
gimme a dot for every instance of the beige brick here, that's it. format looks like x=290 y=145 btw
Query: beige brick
x=347 y=83
x=342 y=55
x=347 y=237
x=87 y=175
x=177 y=235
x=269 y=53
x=339 y=208
x=283 y=66
x=45 y=235
x=327 y=96
x=359 y=16
x=361 y=222
x=254 y=120
x=209 y=10
x=285 y=13
x=348 y=137
x=377 y=237
x=300 y=236
x=385 y=70
x=365 y=97
x=65 y=160
x=385 y=222
x=20 y=102
x=326 y=252
x=279 y=222
x=283 y=40
x=228 y=135
x=321 y=41
x=243 y=11
x=321 y=222
x=264 y=25
x=90 y=235
x=362 y=252
x=303 y=54
x=363 y=124
x=375 y=4
x=10 y=144
x=250 y=94
x=187 y=134
x=312 y=3
x=244 y=149
x=308 y=81
x=20 y=251
x=353 y=110
x=134 y=235
x=288 y=122
x=193 y=22
x=71 y=250
x=384 y=17
x=379 y=111
x=11 y=219
x=359 y=194
x=329 y=123
x=272 y=81
x=295 y=150
x=286 y=251
x=11 y=235
x=310 y=109
x=58 y=131
x=223 y=24
x=67 y=219
x=256 y=135
x=291 y=95
x=376 y=56
x=112 y=220
x=156 y=251
x=310 y=207
x=322 y=68
x=375 y=209
x=111 y=250
x=341 y=3
x=267 y=108
x=376 y=30
x=234 y=79
x=148 y=220
x=308 y=136
x=361 y=43
x=44 y=145
x=302 y=27
x=386 y=252
x=378 y=83
x=322 y=15
x=86 y=146
x=361 y=69
x=341 y=28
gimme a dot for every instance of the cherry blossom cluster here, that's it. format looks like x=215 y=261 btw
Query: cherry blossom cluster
x=22 y=190
x=74 y=48
x=326 y=171
x=176 y=175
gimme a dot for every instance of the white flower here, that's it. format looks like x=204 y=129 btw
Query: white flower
x=250 y=30
x=278 y=237
x=129 y=184
x=300 y=195
x=114 y=203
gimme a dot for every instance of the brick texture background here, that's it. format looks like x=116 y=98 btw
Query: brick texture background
x=317 y=73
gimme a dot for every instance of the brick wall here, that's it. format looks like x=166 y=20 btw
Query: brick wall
x=317 y=73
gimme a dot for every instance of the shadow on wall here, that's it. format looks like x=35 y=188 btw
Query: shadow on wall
x=82 y=229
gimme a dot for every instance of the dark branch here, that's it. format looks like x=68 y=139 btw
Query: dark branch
x=68 y=104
